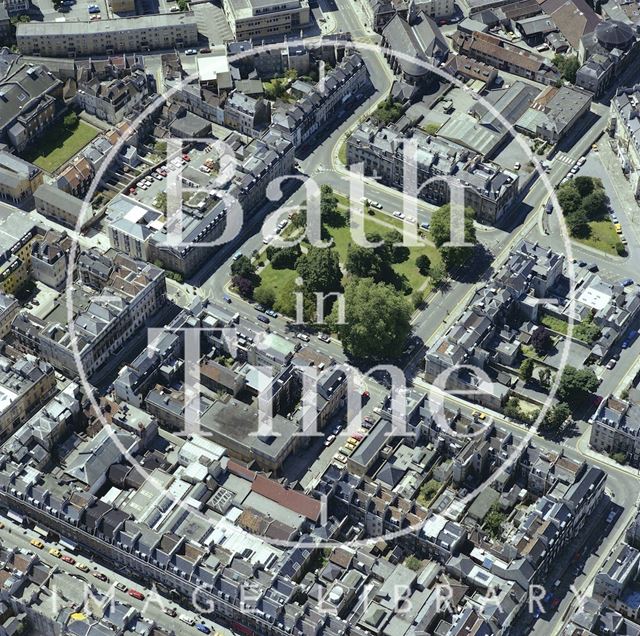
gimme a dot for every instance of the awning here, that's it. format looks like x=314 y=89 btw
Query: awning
x=66 y=543
x=15 y=516
x=43 y=532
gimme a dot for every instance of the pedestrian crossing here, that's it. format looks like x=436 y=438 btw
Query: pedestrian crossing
x=565 y=158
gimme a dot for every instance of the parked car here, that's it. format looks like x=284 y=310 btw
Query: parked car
x=626 y=282
x=329 y=440
x=271 y=313
x=324 y=337
x=122 y=587
x=83 y=567
x=303 y=336
x=67 y=559
x=36 y=543
x=100 y=576
x=611 y=364
x=55 y=552
x=169 y=611
x=263 y=319
x=136 y=594
x=190 y=52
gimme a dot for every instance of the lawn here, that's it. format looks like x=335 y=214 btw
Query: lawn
x=555 y=324
x=59 y=144
x=603 y=237
x=281 y=279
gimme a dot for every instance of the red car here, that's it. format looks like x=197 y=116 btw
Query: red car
x=186 y=157
x=67 y=559
x=136 y=594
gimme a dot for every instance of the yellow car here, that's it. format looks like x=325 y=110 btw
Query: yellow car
x=475 y=414
x=353 y=440
x=55 y=552
x=618 y=228
x=482 y=416
x=350 y=447
x=37 y=543
x=82 y=567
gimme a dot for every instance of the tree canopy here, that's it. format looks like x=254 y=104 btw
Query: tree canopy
x=576 y=385
x=320 y=270
x=376 y=320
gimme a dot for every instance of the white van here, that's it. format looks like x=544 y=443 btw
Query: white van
x=187 y=619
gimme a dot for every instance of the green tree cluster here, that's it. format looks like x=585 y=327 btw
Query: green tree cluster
x=582 y=200
x=387 y=112
x=568 y=66
x=576 y=385
x=452 y=256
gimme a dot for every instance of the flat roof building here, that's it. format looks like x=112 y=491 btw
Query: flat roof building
x=120 y=35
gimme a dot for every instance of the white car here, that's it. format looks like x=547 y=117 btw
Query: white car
x=329 y=440
x=303 y=337
x=517 y=165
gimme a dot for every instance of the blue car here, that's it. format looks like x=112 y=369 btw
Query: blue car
x=226 y=299
x=625 y=344
x=626 y=282
x=201 y=627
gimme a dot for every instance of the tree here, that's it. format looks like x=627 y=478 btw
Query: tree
x=320 y=270
x=569 y=199
x=596 y=204
x=245 y=286
x=413 y=563
x=160 y=202
x=71 y=121
x=540 y=339
x=398 y=253
x=584 y=185
x=619 y=457
x=243 y=267
x=265 y=296
x=438 y=273
x=556 y=417
x=576 y=384
x=587 y=330
x=494 y=522
x=423 y=263
x=377 y=320
x=544 y=376
x=452 y=256
x=567 y=65
x=512 y=409
x=183 y=5
x=299 y=219
x=526 y=370
x=578 y=223
x=329 y=212
x=285 y=257
x=363 y=262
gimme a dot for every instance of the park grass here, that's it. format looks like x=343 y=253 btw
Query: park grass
x=555 y=324
x=280 y=279
x=603 y=237
x=59 y=144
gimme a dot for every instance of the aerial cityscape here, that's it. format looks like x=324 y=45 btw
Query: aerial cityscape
x=320 y=317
